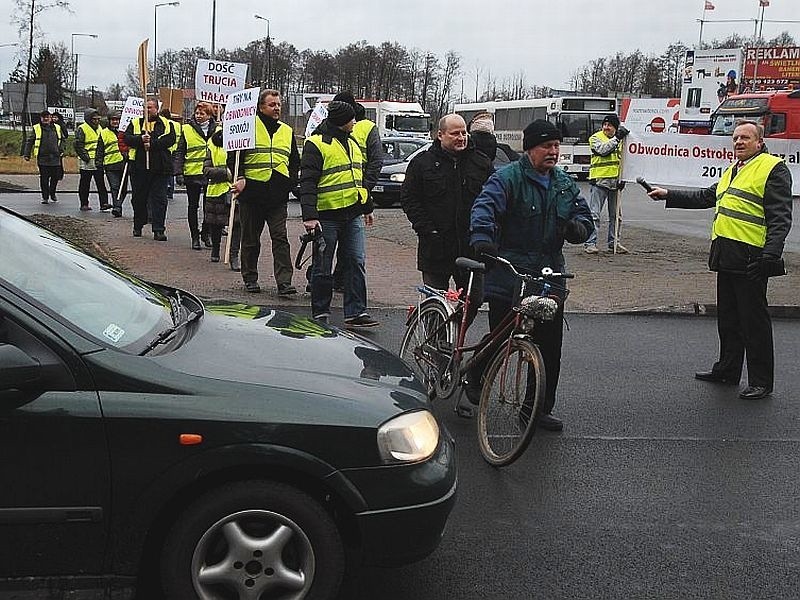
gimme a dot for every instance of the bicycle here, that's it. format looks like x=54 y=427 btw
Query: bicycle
x=514 y=380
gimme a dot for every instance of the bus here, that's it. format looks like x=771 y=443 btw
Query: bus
x=577 y=117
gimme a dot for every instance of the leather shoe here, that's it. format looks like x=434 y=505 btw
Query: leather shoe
x=714 y=378
x=755 y=392
x=159 y=236
x=550 y=423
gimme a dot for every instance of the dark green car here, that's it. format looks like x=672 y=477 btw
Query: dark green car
x=211 y=450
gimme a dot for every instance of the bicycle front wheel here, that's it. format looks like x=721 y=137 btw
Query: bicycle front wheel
x=513 y=387
x=427 y=345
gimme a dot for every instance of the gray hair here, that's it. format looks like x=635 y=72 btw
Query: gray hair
x=267 y=92
x=759 y=127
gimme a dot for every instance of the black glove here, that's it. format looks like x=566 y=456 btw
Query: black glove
x=764 y=267
x=573 y=231
x=620 y=185
x=484 y=248
x=622 y=131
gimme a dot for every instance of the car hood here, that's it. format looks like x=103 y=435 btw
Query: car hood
x=395 y=168
x=253 y=344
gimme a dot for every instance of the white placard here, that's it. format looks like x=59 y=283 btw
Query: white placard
x=215 y=80
x=675 y=159
x=65 y=111
x=133 y=109
x=317 y=116
x=239 y=120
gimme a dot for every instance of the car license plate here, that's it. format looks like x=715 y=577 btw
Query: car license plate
x=377 y=188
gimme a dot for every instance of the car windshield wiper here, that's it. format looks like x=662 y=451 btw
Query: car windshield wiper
x=167 y=334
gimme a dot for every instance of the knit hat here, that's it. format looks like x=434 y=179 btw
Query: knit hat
x=539 y=132
x=346 y=96
x=482 y=122
x=612 y=120
x=340 y=113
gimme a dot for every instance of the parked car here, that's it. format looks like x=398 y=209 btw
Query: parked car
x=212 y=449
x=387 y=193
x=397 y=149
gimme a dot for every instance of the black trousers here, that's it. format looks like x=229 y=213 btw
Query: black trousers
x=193 y=192
x=48 y=180
x=745 y=330
x=253 y=215
x=99 y=182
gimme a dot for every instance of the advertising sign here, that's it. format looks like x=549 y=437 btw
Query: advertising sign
x=768 y=69
x=239 y=120
x=134 y=108
x=657 y=115
x=65 y=111
x=214 y=80
x=696 y=161
x=706 y=83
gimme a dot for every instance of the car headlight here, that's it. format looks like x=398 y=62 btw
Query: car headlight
x=409 y=437
x=398 y=177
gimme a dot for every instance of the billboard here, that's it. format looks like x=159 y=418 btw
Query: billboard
x=767 y=69
x=706 y=83
x=656 y=115
x=13 y=94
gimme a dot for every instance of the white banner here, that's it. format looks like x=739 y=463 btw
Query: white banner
x=674 y=159
x=317 y=116
x=65 y=111
x=134 y=108
x=215 y=80
x=659 y=115
x=239 y=120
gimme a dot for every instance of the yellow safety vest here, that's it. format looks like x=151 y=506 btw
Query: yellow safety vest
x=37 y=131
x=111 y=153
x=739 y=214
x=604 y=167
x=219 y=158
x=271 y=152
x=340 y=184
x=195 y=150
x=361 y=131
x=90 y=137
x=137 y=130
x=178 y=132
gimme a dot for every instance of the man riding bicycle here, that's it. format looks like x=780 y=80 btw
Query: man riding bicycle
x=525 y=213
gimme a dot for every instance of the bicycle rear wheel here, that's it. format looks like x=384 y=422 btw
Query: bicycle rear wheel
x=514 y=384
x=427 y=345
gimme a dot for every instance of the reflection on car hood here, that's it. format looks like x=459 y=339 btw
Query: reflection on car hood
x=395 y=168
x=260 y=345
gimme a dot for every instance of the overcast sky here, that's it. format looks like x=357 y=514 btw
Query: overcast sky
x=547 y=40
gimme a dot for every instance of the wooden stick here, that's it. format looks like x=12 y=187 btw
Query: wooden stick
x=232 y=213
x=122 y=182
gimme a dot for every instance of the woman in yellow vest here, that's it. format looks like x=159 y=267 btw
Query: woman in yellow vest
x=46 y=144
x=753 y=216
x=86 y=137
x=334 y=201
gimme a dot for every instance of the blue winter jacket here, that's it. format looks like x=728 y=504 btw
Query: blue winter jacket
x=521 y=217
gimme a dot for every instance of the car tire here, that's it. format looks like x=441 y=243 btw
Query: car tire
x=259 y=535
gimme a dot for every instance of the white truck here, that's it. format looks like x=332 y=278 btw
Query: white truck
x=398 y=119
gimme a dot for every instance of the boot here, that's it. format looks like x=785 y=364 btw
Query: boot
x=215 y=253
x=206 y=237
x=196 y=242
x=235 y=264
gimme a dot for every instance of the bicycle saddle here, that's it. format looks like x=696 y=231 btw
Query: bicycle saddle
x=463 y=262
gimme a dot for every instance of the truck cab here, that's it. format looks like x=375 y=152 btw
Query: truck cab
x=778 y=112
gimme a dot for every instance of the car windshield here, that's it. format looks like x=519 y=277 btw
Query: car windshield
x=411 y=123
x=101 y=301
x=725 y=124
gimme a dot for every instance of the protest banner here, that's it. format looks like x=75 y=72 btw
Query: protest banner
x=215 y=80
x=674 y=159
x=133 y=109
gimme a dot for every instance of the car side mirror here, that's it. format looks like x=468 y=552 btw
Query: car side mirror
x=17 y=369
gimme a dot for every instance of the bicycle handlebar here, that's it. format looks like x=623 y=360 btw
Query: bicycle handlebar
x=547 y=272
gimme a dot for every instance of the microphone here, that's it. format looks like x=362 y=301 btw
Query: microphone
x=647 y=187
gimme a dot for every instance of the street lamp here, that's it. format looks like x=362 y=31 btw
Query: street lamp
x=155 y=41
x=75 y=64
x=268 y=77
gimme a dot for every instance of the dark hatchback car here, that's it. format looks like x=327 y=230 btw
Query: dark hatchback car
x=397 y=149
x=387 y=192
x=200 y=450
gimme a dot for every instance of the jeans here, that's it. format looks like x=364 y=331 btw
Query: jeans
x=597 y=198
x=350 y=236
x=86 y=181
x=116 y=183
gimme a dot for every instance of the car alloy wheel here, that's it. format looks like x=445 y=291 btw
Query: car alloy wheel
x=253 y=541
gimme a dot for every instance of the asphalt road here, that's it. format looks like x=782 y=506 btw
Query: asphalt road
x=660 y=486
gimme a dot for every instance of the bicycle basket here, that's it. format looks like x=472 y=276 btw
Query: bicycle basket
x=540 y=308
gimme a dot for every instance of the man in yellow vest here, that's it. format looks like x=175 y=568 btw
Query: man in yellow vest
x=46 y=144
x=753 y=216
x=266 y=174
x=335 y=204
x=368 y=138
x=86 y=137
x=604 y=177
